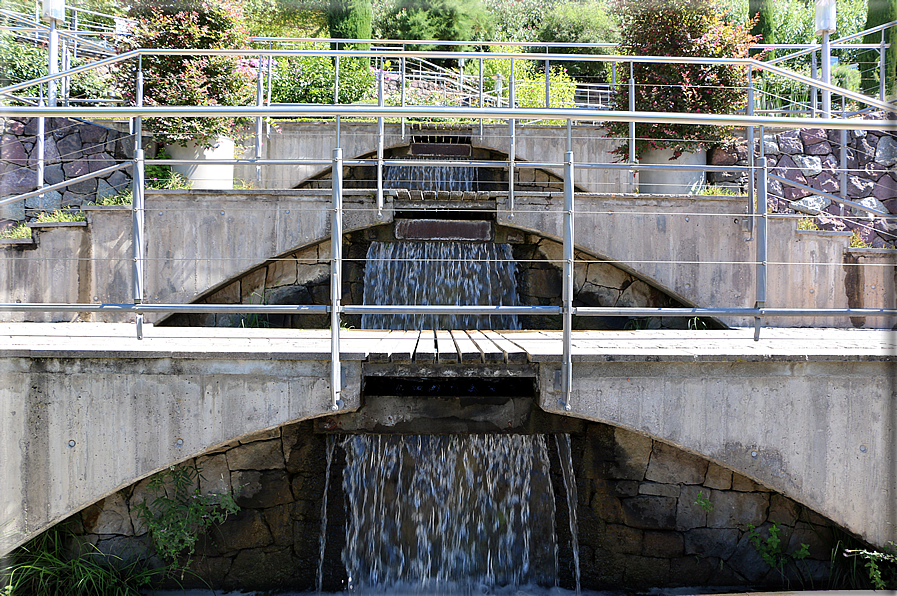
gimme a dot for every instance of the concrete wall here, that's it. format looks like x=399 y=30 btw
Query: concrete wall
x=316 y=141
x=695 y=250
x=821 y=432
x=78 y=429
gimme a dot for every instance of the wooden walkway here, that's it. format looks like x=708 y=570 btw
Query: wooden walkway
x=109 y=340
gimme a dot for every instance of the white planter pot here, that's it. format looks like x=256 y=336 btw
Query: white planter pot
x=216 y=176
x=672 y=181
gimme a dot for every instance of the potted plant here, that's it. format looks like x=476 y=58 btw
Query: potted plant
x=191 y=80
x=686 y=28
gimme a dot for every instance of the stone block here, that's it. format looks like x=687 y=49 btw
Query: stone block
x=789 y=142
x=645 y=572
x=12 y=151
x=693 y=571
x=737 y=510
x=626 y=488
x=865 y=152
x=261 y=455
x=92 y=134
x=214 y=475
x=650 y=512
x=673 y=466
x=718 y=477
x=259 y=489
x=810 y=165
x=17 y=181
x=430 y=229
x=871 y=203
x=621 y=539
x=783 y=510
x=813 y=136
x=245 y=529
x=53 y=174
x=873 y=171
x=119 y=551
x=661 y=490
x=608 y=508
x=812 y=205
x=229 y=294
x=663 y=544
x=723 y=156
x=826 y=183
x=49 y=201
x=69 y=146
x=748 y=562
x=100 y=161
x=886 y=151
x=632 y=452
x=280 y=522
x=716 y=542
x=109 y=516
x=770 y=145
x=859 y=187
x=885 y=189
x=823 y=148
x=689 y=514
x=542 y=280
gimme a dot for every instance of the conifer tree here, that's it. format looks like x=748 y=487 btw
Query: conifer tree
x=879 y=12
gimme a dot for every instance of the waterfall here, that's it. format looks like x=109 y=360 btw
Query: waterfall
x=442 y=274
x=448 y=514
x=438 y=178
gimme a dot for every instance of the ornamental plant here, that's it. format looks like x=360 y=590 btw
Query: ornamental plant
x=192 y=80
x=687 y=28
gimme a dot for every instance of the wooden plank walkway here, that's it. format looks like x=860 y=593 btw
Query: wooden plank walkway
x=445 y=347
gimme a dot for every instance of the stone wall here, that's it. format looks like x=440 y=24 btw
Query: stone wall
x=72 y=148
x=641 y=522
x=812 y=156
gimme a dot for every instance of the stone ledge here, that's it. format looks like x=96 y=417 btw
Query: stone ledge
x=17 y=241
x=58 y=224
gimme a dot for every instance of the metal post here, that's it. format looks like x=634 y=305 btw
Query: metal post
x=881 y=67
x=270 y=89
x=402 y=79
x=481 y=97
x=75 y=28
x=568 y=281
x=259 y=101
x=547 y=83
x=613 y=76
x=138 y=206
x=843 y=153
x=761 y=244
x=569 y=135
x=53 y=49
x=336 y=290
x=632 y=123
x=750 y=130
x=814 y=92
x=380 y=132
x=826 y=75
x=66 y=81
x=336 y=93
x=41 y=144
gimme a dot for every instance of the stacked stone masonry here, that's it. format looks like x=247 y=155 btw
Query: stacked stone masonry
x=650 y=515
x=812 y=157
x=72 y=148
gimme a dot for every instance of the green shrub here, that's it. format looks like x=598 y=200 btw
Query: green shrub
x=448 y=20
x=19 y=232
x=520 y=20
x=879 y=12
x=189 y=80
x=310 y=79
x=689 y=28
x=46 y=566
x=21 y=62
x=529 y=79
x=60 y=216
x=581 y=22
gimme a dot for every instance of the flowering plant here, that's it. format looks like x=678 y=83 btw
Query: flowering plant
x=687 y=28
x=189 y=80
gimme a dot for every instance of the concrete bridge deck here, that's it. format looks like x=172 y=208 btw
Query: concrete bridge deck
x=87 y=409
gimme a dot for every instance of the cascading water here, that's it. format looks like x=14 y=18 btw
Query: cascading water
x=438 y=178
x=448 y=514
x=440 y=273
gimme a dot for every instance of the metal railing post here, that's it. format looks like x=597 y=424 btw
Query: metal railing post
x=402 y=80
x=750 y=130
x=259 y=101
x=761 y=248
x=380 y=132
x=632 y=123
x=336 y=290
x=826 y=76
x=547 y=83
x=512 y=142
x=66 y=81
x=41 y=145
x=814 y=92
x=53 y=55
x=481 y=97
x=567 y=374
x=336 y=93
x=843 y=153
x=138 y=202
x=882 y=91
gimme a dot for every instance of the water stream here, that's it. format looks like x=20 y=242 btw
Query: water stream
x=433 y=178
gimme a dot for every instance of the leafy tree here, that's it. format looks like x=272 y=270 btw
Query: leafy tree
x=350 y=19
x=518 y=20
x=447 y=20
x=581 y=22
x=764 y=26
x=286 y=18
x=878 y=13
x=189 y=80
x=688 y=28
